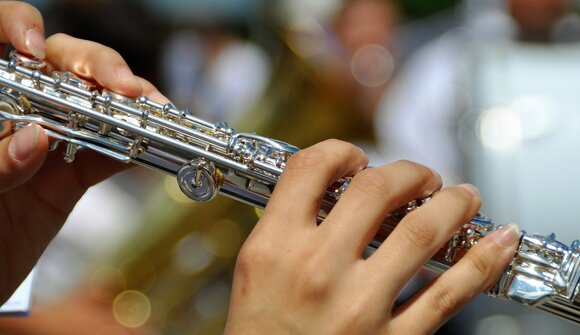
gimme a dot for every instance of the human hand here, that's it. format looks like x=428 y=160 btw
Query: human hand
x=22 y=25
x=295 y=277
x=38 y=190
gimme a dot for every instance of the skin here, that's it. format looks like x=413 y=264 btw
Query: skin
x=295 y=277
x=38 y=189
x=292 y=275
x=536 y=18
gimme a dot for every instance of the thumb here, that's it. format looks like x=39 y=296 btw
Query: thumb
x=21 y=155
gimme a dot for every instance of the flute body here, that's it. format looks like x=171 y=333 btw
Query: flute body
x=208 y=159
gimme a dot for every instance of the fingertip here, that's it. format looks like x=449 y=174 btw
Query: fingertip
x=125 y=82
x=25 y=143
x=150 y=91
x=23 y=154
x=470 y=188
x=436 y=174
x=22 y=25
x=506 y=236
x=35 y=43
x=158 y=97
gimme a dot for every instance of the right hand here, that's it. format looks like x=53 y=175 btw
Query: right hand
x=296 y=277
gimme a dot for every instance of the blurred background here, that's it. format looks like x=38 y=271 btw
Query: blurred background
x=484 y=91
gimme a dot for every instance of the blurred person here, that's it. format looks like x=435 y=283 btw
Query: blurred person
x=427 y=113
x=537 y=18
x=418 y=117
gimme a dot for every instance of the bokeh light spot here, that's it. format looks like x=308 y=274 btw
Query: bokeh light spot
x=372 y=65
x=500 y=128
x=132 y=308
x=191 y=255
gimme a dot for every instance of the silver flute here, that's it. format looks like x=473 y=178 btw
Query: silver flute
x=208 y=159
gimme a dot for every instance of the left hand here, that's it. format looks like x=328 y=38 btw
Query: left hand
x=38 y=189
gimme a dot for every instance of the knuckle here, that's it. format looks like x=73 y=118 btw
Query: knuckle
x=419 y=172
x=423 y=179
x=481 y=266
x=408 y=165
x=314 y=275
x=419 y=233
x=458 y=196
x=415 y=167
x=444 y=302
x=104 y=54
x=327 y=157
x=314 y=282
x=306 y=160
x=462 y=201
x=370 y=182
x=255 y=253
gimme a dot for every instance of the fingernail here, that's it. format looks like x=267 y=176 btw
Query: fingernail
x=35 y=43
x=470 y=188
x=507 y=235
x=124 y=74
x=24 y=143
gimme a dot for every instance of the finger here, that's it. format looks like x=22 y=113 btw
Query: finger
x=93 y=61
x=306 y=177
x=22 y=155
x=371 y=194
x=21 y=24
x=421 y=234
x=92 y=168
x=152 y=92
x=477 y=271
x=71 y=180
